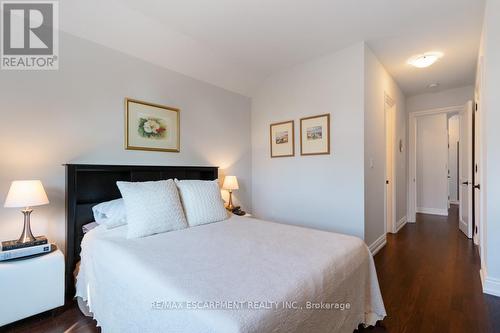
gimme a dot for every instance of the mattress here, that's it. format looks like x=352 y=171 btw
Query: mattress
x=239 y=275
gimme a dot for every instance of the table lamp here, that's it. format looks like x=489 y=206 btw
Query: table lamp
x=230 y=184
x=26 y=194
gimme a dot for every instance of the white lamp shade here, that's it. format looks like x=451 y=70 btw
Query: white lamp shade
x=230 y=183
x=26 y=193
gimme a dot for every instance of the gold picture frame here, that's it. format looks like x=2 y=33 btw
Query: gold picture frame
x=315 y=135
x=282 y=139
x=151 y=127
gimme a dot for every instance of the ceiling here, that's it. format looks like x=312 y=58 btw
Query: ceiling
x=236 y=44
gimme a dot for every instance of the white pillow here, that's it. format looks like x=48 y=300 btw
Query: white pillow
x=110 y=213
x=202 y=201
x=89 y=226
x=152 y=207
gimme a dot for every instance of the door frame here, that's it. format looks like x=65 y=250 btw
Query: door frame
x=412 y=154
x=479 y=176
x=468 y=145
x=390 y=225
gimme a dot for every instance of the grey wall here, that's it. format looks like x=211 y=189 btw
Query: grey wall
x=76 y=114
x=453 y=155
x=327 y=191
x=378 y=83
x=432 y=164
x=445 y=98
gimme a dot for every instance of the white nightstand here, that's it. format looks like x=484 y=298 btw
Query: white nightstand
x=31 y=286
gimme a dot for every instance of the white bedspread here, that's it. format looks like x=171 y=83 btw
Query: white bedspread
x=240 y=275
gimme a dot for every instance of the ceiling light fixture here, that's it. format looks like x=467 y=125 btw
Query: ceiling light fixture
x=433 y=85
x=425 y=60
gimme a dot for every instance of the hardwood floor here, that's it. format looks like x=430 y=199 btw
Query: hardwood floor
x=428 y=273
x=68 y=320
x=429 y=277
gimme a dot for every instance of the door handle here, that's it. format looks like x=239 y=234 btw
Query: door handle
x=465 y=183
x=478 y=186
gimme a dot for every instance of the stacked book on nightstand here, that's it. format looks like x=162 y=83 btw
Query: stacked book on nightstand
x=14 y=249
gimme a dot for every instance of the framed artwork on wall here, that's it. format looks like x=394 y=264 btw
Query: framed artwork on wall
x=151 y=126
x=282 y=139
x=315 y=135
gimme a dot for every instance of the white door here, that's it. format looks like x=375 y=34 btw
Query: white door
x=390 y=109
x=477 y=177
x=465 y=213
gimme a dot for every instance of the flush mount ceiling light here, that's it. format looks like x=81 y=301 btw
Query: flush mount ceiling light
x=425 y=60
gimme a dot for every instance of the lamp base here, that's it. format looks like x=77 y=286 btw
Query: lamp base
x=27 y=235
x=230 y=203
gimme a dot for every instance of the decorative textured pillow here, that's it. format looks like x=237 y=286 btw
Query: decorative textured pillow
x=202 y=201
x=89 y=226
x=152 y=207
x=110 y=213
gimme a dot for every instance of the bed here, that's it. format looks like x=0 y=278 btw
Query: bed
x=238 y=275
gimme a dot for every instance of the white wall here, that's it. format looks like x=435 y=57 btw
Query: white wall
x=377 y=83
x=445 y=98
x=490 y=149
x=76 y=114
x=327 y=191
x=453 y=138
x=432 y=164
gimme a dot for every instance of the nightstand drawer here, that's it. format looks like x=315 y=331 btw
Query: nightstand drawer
x=31 y=286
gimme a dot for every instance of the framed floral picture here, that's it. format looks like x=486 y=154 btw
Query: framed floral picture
x=315 y=135
x=151 y=126
x=282 y=139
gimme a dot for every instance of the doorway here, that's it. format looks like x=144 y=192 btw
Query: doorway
x=432 y=164
x=436 y=151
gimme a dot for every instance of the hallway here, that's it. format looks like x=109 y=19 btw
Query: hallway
x=429 y=276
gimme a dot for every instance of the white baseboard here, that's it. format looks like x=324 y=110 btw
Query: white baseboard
x=401 y=223
x=432 y=211
x=409 y=219
x=463 y=226
x=491 y=285
x=378 y=244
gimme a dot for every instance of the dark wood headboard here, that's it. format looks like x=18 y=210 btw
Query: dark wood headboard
x=88 y=185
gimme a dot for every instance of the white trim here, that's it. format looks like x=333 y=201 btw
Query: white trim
x=378 y=244
x=454 y=202
x=412 y=155
x=448 y=109
x=491 y=286
x=432 y=211
x=463 y=227
x=401 y=223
